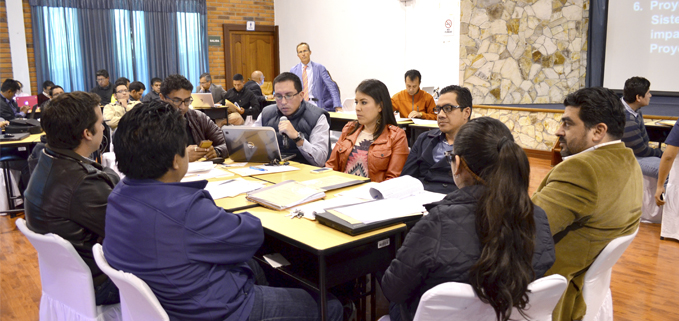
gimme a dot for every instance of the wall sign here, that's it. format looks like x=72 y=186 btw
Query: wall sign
x=250 y=26
x=215 y=41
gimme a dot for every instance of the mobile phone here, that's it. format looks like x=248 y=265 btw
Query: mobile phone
x=320 y=170
x=662 y=197
x=205 y=144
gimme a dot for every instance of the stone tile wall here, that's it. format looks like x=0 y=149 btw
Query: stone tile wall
x=523 y=51
x=534 y=130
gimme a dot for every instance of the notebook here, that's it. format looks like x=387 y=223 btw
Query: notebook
x=253 y=144
x=202 y=100
x=285 y=194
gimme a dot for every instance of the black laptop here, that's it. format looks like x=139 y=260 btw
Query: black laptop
x=332 y=221
x=253 y=144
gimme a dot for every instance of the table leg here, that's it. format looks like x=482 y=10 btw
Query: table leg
x=323 y=288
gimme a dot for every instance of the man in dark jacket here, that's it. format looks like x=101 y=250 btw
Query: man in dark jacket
x=8 y=107
x=426 y=161
x=67 y=193
x=254 y=84
x=243 y=98
x=104 y=88
x=176 y=91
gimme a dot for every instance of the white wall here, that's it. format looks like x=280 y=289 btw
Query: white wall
x=17 y=43
x=382 y=39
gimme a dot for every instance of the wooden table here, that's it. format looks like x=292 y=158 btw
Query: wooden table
x=417 y=129
x=658 y=132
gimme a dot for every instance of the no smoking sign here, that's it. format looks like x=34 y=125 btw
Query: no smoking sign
x=448 y=30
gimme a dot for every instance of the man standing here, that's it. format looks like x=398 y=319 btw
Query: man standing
x=104 y=88
x=67 y=193
x=637 y=94
x=206 y=86
x=136 y=90
x=8 y=106
x=426 y=161
x=245 y=101
x=594 y=195
x=176 y=91
x=316 y=81
x=154 y=94
x=306 y=130
x=413 y=102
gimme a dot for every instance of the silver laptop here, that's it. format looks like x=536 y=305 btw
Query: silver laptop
x=253 y=144
x=202 y=100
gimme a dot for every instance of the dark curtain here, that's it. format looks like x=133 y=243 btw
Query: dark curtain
x=98 y=43
x=596 y=43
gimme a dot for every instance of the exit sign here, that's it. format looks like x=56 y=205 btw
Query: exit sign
x=214 y=41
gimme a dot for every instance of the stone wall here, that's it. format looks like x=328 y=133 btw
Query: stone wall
x=533 y=130
x=523 y=51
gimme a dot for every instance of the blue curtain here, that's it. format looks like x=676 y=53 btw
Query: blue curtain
x=137 y=39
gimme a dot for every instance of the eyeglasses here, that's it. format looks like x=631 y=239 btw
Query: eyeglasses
x=280 y=97
x=447 y=108
x=124 y=91
x=177 y=102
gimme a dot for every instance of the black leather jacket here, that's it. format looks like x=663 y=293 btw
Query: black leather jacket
x=67 y=196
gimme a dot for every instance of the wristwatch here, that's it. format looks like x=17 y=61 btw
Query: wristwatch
x=299 y=138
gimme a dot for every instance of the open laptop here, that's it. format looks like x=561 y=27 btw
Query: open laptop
x=253 y=144
x=29 y=101
x=202 y=100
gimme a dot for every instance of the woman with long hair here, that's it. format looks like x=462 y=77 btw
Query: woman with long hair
x=373 y=145
x=487 y=234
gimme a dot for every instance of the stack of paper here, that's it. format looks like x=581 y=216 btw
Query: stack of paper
x=263 y=169
x=231 y=187
x=285 y=195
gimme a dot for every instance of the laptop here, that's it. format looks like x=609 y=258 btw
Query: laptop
x=202 y=100
x=13 y=137
x=330 y=220
x=253 y=144
x=29 y=101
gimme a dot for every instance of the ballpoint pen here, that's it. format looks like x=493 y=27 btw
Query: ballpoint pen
x=258 y=169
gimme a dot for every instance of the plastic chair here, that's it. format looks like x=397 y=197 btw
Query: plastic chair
x=596 y=290
x=650 y=212
x=349 y=104
x=670 y=218
x=136 y=298
x=67 y=288
x=457 y=301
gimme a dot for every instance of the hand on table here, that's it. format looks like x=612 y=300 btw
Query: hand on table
x=415 y=114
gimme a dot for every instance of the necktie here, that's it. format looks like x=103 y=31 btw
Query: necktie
x=305 y=82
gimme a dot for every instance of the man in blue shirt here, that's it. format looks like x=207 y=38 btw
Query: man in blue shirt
x=193 y=254
x=8 y=107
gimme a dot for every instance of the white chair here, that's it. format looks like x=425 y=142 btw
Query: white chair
x=136 y=298
x=650 y=212
x=670 y=219
x=457 y=301
x=349 y=104
x=596 y=289
x=67 y=288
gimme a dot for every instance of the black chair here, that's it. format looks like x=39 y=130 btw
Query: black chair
x=33 y=111
x=10 y=155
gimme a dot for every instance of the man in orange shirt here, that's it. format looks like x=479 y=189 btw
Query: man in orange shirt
x=413 y=102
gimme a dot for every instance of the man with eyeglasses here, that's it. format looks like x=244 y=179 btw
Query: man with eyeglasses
x=206 y=86
x=104 y=88
x=305 y=131
x=427 y=161
x=176 y=91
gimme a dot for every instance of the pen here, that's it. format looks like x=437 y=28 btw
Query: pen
x=227 y=181
x=258 y=169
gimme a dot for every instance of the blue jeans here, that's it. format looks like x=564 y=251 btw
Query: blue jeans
x=282 y=304
x=649 y=165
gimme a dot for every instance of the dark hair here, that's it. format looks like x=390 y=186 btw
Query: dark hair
x=123 y=80
x=67 y=116
x=147 y=139
x=46 y=84
x=206 y=75
x=413 y=74
x=380 y=94
x=504 y=216
x=599 y=105
x=9 y=84
x=635 y=86
x=137 y=85
x=464 y=96
x=175 y=82
x=53 y=88
x=120 y=82
x=238 y=77
x=102 y=73
x=288 y=76
x=155 y=80
x=302 y=43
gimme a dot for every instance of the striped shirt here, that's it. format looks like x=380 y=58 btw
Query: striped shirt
x=635 y=135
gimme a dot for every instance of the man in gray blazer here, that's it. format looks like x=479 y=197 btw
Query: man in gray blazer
x=206 y=86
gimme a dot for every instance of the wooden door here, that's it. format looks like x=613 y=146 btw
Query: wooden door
x=247 y=51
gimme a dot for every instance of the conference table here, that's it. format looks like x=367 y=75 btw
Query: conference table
x=320 y=257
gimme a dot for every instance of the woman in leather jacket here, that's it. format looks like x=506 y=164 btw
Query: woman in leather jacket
x=372 y=146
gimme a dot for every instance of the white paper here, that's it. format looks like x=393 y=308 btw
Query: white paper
x=214 y=173
x=398 y=119
x=262 y=169
x=424 y=197
x=312 y=208
x=234 y=165
x=197 y=167
x=231 y=188
x=276 y=260
x=399 y=187
x=418 y=121
x=380 y=210
x=362 y=191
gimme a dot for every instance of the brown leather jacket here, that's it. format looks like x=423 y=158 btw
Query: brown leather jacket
x=386 y=155
x=203 y=128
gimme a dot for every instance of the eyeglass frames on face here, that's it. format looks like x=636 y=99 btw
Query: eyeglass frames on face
x=178 y=102
x=447 y=108
x=288 y=96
